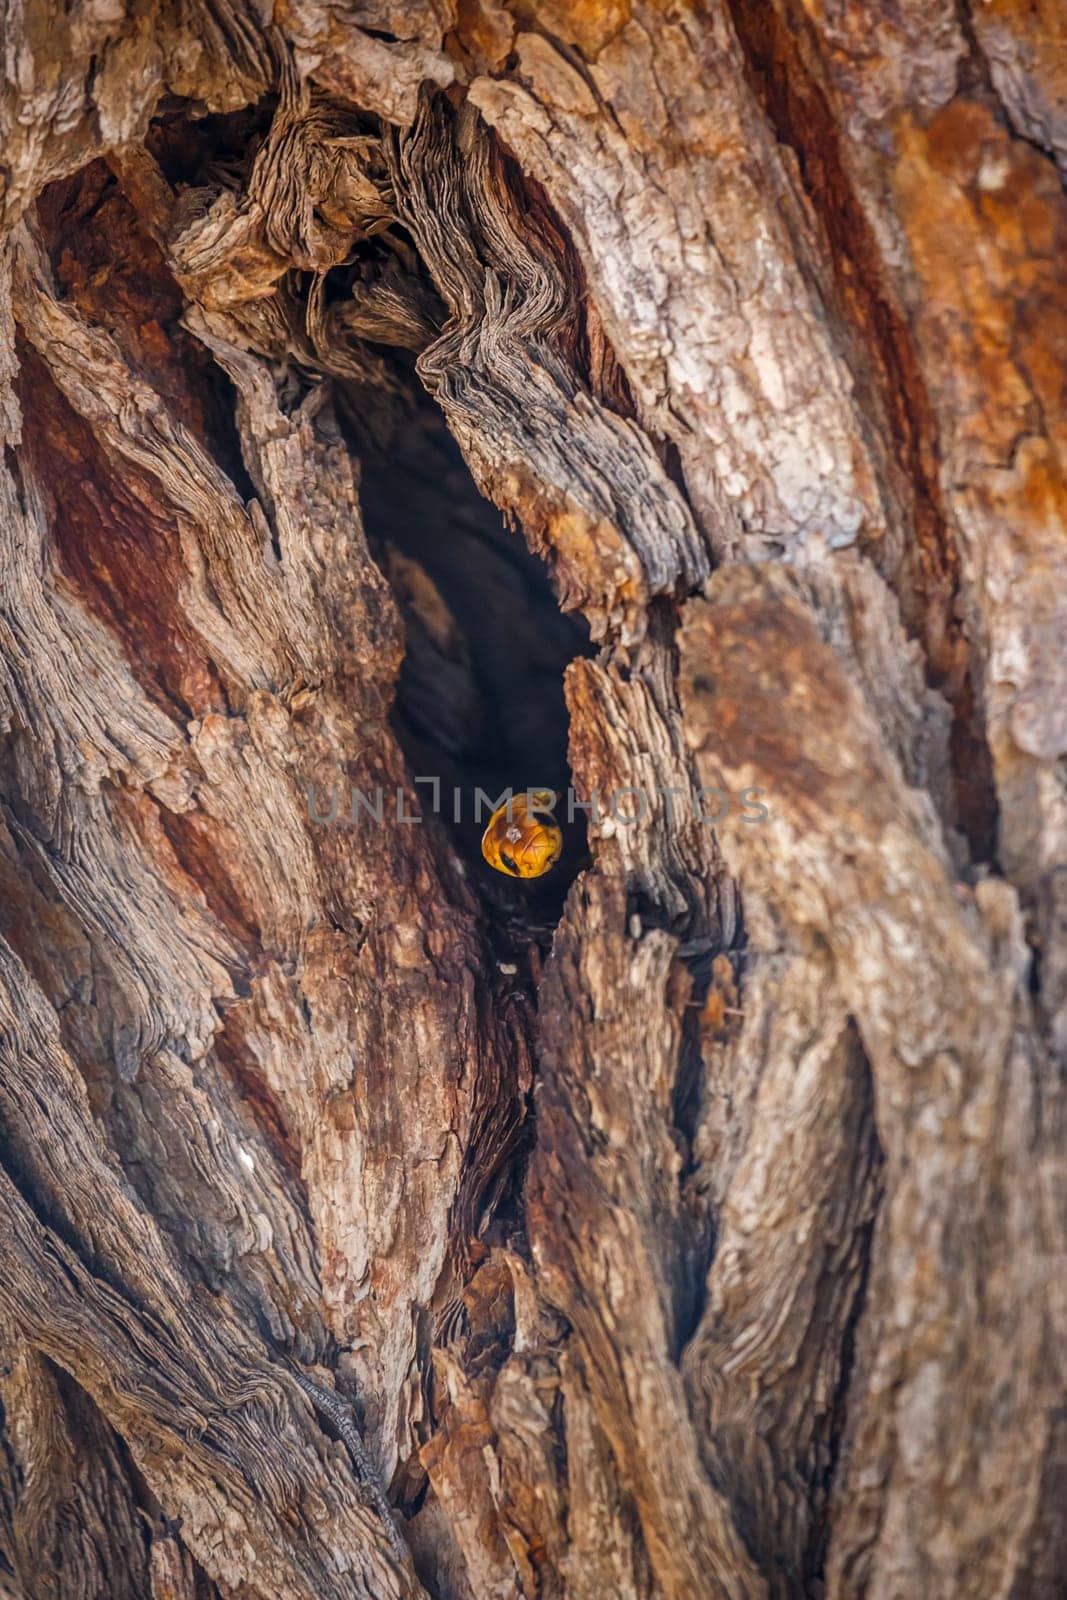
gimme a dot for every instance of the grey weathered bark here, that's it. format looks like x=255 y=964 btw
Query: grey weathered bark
x=692 y=1223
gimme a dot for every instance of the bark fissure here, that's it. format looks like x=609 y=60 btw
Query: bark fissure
x=633 y=400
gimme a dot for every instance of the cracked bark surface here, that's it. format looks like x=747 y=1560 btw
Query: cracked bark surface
x=646 y=398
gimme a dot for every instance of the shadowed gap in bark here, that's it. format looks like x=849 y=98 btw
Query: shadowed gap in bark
x=480 y=696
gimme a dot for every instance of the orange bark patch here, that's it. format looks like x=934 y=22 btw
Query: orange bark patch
x=986 y=219
x=588 y=24
x=115 y=274
x=484 y=34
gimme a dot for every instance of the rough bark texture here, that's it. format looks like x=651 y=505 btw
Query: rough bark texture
x=645 y=397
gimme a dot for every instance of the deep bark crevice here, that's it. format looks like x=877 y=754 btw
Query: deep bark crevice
x=109 y=267
x=661 y=400
x=479 y=702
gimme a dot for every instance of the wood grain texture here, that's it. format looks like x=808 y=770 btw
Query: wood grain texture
x=665 y=402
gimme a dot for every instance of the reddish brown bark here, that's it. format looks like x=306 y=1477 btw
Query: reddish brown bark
x=609 y=397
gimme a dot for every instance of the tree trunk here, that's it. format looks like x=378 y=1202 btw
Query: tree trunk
x=664 y=405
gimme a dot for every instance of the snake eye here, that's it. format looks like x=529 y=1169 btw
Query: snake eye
x=526 y=844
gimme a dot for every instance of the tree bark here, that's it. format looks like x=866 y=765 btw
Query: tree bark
x=665 y=405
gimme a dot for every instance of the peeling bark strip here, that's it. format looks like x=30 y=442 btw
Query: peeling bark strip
x=618 y=399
